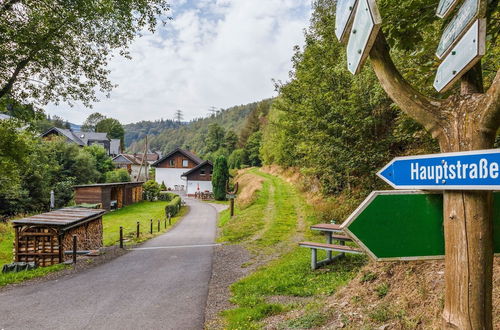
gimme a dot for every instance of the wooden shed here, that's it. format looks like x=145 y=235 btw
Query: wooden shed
x=43 y=238
x=124 y=193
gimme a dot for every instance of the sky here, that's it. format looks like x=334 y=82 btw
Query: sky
x=214 y=53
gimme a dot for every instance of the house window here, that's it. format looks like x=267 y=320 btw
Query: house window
x=202 y=172
x=185 y=163
x=171 y=163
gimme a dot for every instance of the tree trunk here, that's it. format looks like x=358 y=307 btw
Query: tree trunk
x=468 y=229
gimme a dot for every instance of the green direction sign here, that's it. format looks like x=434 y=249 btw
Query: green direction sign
x=445 y=7
x=364 y=30
x=466 y=53
x=457 y=26
x=344 y=16
x=405 y=225
x=230 y=196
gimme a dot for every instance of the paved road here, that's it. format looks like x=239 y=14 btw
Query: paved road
x=153 y=288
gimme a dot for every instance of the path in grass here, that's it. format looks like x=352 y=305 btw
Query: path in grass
x=288 y=275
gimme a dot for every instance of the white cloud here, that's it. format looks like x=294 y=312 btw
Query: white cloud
x=214 y=53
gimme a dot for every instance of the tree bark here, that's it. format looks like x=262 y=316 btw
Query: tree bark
x=461 y=123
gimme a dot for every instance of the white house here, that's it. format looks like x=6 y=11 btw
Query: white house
x=199 y=178
x=171 y=167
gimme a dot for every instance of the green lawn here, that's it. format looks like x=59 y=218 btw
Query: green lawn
x=128 y=216
x=279 y=204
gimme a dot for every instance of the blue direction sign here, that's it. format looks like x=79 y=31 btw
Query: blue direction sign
x=471 y=170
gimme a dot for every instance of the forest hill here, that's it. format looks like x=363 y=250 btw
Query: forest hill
x=477 y=170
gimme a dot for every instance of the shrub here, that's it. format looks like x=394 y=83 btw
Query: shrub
x=163 y=187
x=166 y=196
x=173 y=206
x=119 y=175
x=151 y=190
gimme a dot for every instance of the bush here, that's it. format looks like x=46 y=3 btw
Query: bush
x=174 y=206
x=166 y=196
x=163 y=187
x=151 y=190
x=120 y=175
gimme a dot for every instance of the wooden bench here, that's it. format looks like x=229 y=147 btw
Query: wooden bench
x=333 y=232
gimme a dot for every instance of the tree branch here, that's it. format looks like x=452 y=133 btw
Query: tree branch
x=491 y=113
x=424 y=110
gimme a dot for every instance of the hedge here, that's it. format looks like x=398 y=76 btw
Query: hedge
x=166 y=196
x=173 y=206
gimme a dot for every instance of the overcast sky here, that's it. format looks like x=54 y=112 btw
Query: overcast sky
x=214 y=53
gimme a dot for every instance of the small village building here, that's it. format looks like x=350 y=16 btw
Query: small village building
x=112 y=146
x=199 y=178
x=135 y=168
x=43 y=238
x=118 y=194
x=171 y=167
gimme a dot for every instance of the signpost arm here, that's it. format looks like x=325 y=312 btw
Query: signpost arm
x=491 y=116
x=418 y=106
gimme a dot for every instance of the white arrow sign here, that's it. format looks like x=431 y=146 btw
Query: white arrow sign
x=343 y=18
x=466 y=53
x=364 y=31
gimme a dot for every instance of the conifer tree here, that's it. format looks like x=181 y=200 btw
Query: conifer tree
x=219 y=178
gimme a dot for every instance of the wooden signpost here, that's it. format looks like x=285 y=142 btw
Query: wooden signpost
x=466 y=121
x=231 y=195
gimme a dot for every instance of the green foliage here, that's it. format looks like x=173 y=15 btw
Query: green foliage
x=163 y=187
x=11 y=278
x=382 y=290
x=173 y=206
x=112 y=127
x=151 y=190
x=215 y=137
x=118 y=175
x=220 y=177
x=238 y=158
x=252 y=149
x=230 y=141
x=89 y=125
x=67 y=45
x=336 y=127
x=102 y=160
x=308 y=321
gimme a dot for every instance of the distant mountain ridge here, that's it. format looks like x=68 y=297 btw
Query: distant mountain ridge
x=166 y=135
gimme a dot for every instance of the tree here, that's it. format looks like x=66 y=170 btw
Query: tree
x=91 y=122
x=237 y=158
x=467 y=120
x=113 y=128
x=102 y=160
x=220 y=177
x=230 y=140
x=252 y=149
x=119 y=175
x=53 y=51
x=151 y=190
x=215 y=137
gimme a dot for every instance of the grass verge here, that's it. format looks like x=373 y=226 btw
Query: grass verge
x=141 y=212
x=271 y=223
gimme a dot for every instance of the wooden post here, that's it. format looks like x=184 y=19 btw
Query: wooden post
x=121 y=237
x=165 y=222
x=169 y=219
x=74 y=249
x=232 y=207
x=151 y=227
x=158 y=225
x=138 y=229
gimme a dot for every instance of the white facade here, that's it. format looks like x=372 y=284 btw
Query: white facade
x=171 y=177
x=192 y=186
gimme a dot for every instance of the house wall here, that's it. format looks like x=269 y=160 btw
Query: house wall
x=171 y=176
x=177 y=158
x=88 y=195
x=192 y=186
x=135 y=172
x=197 y=176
